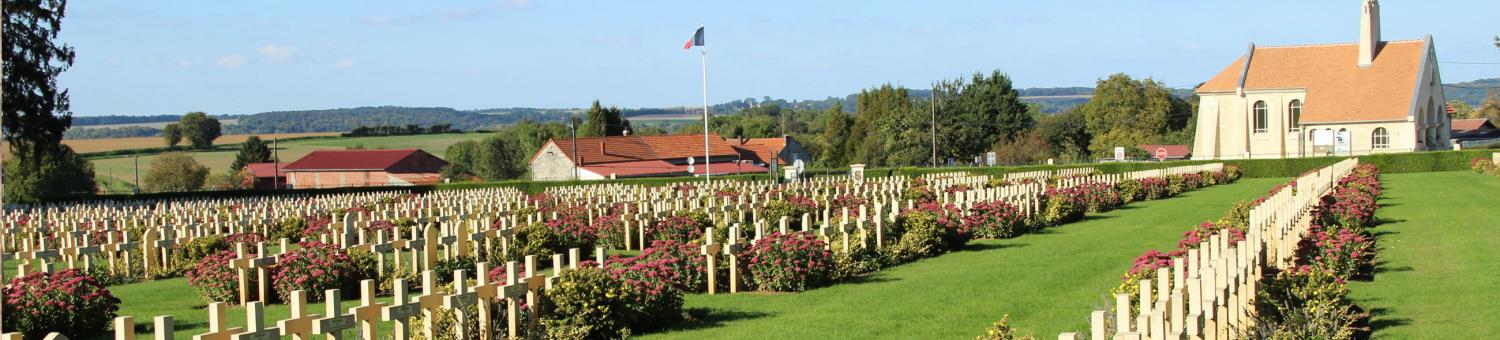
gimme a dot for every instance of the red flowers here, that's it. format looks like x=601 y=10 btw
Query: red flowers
x=995 y=219
x=789 y=262
x=70 y=302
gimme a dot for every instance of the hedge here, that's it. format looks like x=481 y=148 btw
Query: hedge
x=1255 y=168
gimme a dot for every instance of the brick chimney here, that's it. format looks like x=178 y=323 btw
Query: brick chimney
x=1369 y=33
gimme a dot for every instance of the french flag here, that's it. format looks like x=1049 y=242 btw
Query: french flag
x=696 y=40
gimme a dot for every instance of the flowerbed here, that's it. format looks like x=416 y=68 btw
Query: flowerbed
x=69 y=302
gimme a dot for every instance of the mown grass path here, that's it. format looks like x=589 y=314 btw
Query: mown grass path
x=1047 y=282
x=1437 y=272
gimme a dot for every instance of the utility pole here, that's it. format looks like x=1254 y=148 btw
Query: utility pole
x=275 y=165
x=137 y=158
x=578 y=158
x=932 y=104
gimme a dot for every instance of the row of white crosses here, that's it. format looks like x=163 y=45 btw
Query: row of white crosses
x=1176 y=170
x=1210 y=292
x=366 y=319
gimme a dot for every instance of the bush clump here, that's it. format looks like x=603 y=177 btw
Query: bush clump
x=314 y=267
x=68 y=302
x=925 y=231
x=587 y=303
x=995 y=219
x=792 y=207
x=215 y=279
x=789 y=262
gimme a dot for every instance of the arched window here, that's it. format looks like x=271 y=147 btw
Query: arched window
x=1294 y=115
x=1380 y=139
x=1261 y=120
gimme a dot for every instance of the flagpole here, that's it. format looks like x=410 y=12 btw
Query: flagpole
x=707 y=169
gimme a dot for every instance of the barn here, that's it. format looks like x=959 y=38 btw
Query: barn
x=364 y=168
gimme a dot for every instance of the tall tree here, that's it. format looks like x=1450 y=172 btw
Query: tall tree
x=870 y=130
x=252 y=151
x=835 y=138
x=199 y=129
x=975 y=115
x=1461 y=109
x=1126 y=112
x=172 y=135
x=602 y=121
x=35 y=108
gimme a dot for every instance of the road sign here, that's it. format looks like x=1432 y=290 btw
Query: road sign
x=1161 y=154
x=691 y=169
x=1119 y=153
x=989 y=158
x=690 y=161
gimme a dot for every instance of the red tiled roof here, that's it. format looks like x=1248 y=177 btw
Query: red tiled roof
x=351 y=160
x=639 y=148
x=1173 y=150
x=663 y=168
x=761 y=149
x=1471 y=124
x=1338 y=90
x=264 y=170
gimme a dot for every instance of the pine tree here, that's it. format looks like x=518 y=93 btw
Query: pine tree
x=252 y=151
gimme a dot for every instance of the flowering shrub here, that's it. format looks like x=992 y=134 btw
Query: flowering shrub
x=382 y=225
x=313 y=267
x=316 y=226
x=1192 y=181
x=727 y=193
x=792 y=207
x=1098 y=197
x=1176 y=185
x=1238 y=216
x=1347 y=207
x=1143 y=268
x=995 y=219
x=249 y=239
x=1232 y=173
x=927 y=230
x=1339 y=251
x=656 y=301
x=535 y=239
x=687 y=263
x=956 y=188
x=1155 y=188
x=846 y=201
x=919 y=194
x=1193 y=238
x=1482 y=166
x=1062 y=206
x=789 y=262
x=573 y=229
x=215 y=279
x=1218 y=177
x=188 y=253
x=678 y=228
x=69 y=302
x=609 y=230
x=1002 y=330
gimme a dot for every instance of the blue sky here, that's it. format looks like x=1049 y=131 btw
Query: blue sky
x=232 y=57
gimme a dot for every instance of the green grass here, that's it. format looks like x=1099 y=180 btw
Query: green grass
x=1047 y=282
x=1438 y=263
x=123 y=167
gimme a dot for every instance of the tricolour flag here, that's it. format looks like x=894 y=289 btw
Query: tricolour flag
x=696 y=40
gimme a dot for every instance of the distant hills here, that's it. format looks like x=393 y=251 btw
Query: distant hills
x=1052 y=99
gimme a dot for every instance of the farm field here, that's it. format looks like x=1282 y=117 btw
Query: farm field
x=1048 y=282
x=1436 y=272
x=219 y=159
x=111 y=144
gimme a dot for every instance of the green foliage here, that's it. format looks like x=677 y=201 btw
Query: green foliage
x=1001 y=330
x=868 y=133
x=497 y=157
x=1128 y=112
x=603 y=122
x=172 y=135
x=977 y=114
x=586 y=303
x=1130 y=190
x=199 y=129
x=36 y=108
x=253 y=150
x=923 y=232
x=1305 y=303
x=174 y=171
x=835 y=138
x=57 y=172
x=111 y=132
x=536 y=239
x=789 y=262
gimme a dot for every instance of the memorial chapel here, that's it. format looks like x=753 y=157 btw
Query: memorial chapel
x=1360 y=98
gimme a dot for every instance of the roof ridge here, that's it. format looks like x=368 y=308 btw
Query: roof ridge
x=1332 y=44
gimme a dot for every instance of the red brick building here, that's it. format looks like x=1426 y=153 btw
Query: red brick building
x=265 y=176
x=361 y=168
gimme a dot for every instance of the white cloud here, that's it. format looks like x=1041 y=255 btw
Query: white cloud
x=344 y=64
x=231 y=60
x=277 y=52
x=184 y=63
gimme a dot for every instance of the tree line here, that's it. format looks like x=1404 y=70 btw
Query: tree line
x=405 y=130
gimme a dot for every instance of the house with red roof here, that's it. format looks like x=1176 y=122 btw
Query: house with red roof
x=784 y=150
x=595 y=158
x=1371 y=96
x=1474 y=129
x=362 y=168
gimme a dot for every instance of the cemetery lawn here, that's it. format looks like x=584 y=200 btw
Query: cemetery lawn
x=1437 y=272
x=218 y=159
x=1047 y=282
